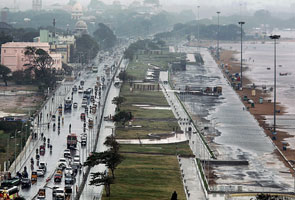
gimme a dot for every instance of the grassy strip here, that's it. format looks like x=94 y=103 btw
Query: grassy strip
x=152 y=177
x=179 y=148
x=202 y=174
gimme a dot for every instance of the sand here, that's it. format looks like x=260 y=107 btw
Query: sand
x=260 y=110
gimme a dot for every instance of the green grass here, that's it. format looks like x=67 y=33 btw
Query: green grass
x=179 y=148
x=140 y=64
x=151 y=177
x=148 y=126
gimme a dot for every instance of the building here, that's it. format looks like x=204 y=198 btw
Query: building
x=81 y=28
x=77 y=11
x=60 y=44
x=36 y=5
x=12 y=54
x=4 y=14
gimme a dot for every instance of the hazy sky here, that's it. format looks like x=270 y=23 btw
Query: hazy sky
x=222 y=5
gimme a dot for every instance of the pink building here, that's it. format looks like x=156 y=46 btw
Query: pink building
x=12 y=54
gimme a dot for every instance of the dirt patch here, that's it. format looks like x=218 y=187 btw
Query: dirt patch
x=19 y=103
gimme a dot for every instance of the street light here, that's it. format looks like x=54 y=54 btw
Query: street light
x=275 y=38
x=217 y=53
x=241 y=23
x=198 y=25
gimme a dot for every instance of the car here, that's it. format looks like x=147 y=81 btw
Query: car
x=69 y=180
x=57 y=192
x=43 y=165
x=62 y=163
x=26 y=183
x=81 y=82
x=77 y=158
x=83 y=141
x=75 y=88
x=75 y=105
x=40 y=172
x=68 y=171
x=57 y=178
x=82 y=116
x=67 y=153
x=80 y=90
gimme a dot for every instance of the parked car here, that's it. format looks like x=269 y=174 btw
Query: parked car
x=26 y=183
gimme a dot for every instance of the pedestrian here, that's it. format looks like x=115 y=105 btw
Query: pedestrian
x=70 y=126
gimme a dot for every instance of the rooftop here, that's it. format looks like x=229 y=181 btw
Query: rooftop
x=25 y=44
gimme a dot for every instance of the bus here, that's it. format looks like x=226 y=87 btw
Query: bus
x=72 y=141
x=68 y=104
x=11 y=193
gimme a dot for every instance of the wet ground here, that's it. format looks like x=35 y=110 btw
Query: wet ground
x=235 y=134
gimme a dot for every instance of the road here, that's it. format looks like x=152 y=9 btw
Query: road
x=59 y=140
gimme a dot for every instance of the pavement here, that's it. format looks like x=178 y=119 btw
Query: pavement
x=191 y=179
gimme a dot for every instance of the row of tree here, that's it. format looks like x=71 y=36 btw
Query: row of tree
x=146 y=44
x=209 y=32
x=111 y=158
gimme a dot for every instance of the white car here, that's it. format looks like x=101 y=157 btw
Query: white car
x=75 y=105
x=77 y=158
x=68 y=171
x=62 y=163
x=67 y=153
x=40 y=173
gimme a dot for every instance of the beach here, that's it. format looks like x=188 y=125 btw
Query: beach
x=260 y=111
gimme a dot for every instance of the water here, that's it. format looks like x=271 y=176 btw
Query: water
x=263 y=57
x=236 y=134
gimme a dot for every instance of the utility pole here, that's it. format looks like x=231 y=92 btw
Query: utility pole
x=217 y=53
x=241 y=23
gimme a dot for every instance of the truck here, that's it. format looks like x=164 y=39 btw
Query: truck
x=72 y=141
x=68 y=104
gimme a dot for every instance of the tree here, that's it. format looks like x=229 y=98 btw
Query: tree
x=40 y=63
x=118 y=101
x=4 y=71
x=105 y=36
x=99 y=179
x=112 y=143
x=67 y=69
x=122 y=117
x=86 y=48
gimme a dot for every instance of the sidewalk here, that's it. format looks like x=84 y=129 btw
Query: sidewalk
x=191 y=180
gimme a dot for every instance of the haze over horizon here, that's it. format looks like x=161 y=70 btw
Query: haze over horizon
x=227 y=7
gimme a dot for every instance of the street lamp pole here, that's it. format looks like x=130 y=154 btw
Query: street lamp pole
x=198 y=25
x=275 y=38
x=217 y=53
x=241 y=23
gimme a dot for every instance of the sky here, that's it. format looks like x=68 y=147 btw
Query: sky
x=227 y=7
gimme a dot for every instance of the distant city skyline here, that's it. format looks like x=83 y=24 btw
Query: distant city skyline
x=226 y=5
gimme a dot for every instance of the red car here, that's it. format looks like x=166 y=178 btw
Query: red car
x=42 y=150
x=57 y=177
x=82 y=116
